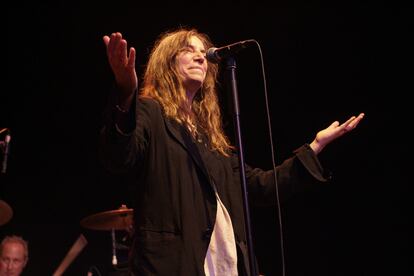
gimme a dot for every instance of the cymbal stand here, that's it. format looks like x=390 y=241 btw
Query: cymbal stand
x=114 y=259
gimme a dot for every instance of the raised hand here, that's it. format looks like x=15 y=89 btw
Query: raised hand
x=334 y=131
x=123 y=66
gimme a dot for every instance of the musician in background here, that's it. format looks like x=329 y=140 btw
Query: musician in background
x=14 y=254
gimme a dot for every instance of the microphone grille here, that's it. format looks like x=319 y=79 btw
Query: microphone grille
x=212 y=56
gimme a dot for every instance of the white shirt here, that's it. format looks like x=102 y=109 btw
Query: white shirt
x=221 y=258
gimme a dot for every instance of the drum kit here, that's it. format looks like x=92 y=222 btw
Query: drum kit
x=113 y=220
x=6 y=212
x=120 y=219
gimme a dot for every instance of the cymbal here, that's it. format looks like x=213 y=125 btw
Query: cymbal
x=6 y=212
x=120 y=219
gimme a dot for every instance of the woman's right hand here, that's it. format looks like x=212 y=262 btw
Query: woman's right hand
x=123 y=65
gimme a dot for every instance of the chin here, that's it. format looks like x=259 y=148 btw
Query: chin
x=194 y=82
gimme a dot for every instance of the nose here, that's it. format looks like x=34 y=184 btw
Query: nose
x=200 y=56
x=9 y=265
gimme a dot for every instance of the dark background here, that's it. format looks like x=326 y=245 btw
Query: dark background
x=322 y=62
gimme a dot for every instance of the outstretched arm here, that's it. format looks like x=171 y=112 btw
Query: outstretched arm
x=123 y=66
x=334 y=131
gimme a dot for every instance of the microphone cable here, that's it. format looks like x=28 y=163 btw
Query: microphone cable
x=269 y=124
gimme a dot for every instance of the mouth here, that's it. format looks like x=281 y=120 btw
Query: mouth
x=197 y=68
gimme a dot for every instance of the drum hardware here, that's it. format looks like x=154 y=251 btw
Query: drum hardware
x=6 y=212
x=119 y=219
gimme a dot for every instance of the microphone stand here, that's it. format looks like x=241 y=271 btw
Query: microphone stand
x=231 y=67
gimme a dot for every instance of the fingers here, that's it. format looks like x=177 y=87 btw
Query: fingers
x=351 y=123
x=334 y=124
x=121 y=50
x=106 y=40
x=356 y=121
x=117 y=51
x=131 y=58
x=348 y=122
x=115 y=45
x=109 y=42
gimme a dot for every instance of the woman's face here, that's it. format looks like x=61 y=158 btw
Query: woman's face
x=192 y=65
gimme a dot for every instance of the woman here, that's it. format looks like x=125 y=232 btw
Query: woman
x=188 y=217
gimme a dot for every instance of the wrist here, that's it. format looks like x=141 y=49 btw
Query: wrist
x=316 y=146
x=124 y=102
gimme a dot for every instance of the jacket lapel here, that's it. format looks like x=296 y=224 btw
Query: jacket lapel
x=184 y=138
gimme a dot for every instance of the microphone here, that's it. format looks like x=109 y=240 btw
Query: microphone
x=6 y=151
x=216 y=54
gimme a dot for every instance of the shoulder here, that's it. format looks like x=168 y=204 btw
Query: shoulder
x=148 y=107
x=148 y=102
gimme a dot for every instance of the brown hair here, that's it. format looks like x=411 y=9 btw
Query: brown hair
x=162 y=82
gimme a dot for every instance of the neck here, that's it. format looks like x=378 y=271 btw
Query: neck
x=190 y=96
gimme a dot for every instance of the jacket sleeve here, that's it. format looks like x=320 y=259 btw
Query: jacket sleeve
x=122 y=148
x=296 y=174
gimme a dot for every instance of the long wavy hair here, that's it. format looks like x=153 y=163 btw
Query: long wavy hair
x=162 y=82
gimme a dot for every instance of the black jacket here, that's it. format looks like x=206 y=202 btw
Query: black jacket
x=175 y=204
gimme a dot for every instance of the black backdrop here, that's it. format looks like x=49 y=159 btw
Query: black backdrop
x=322 y=64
